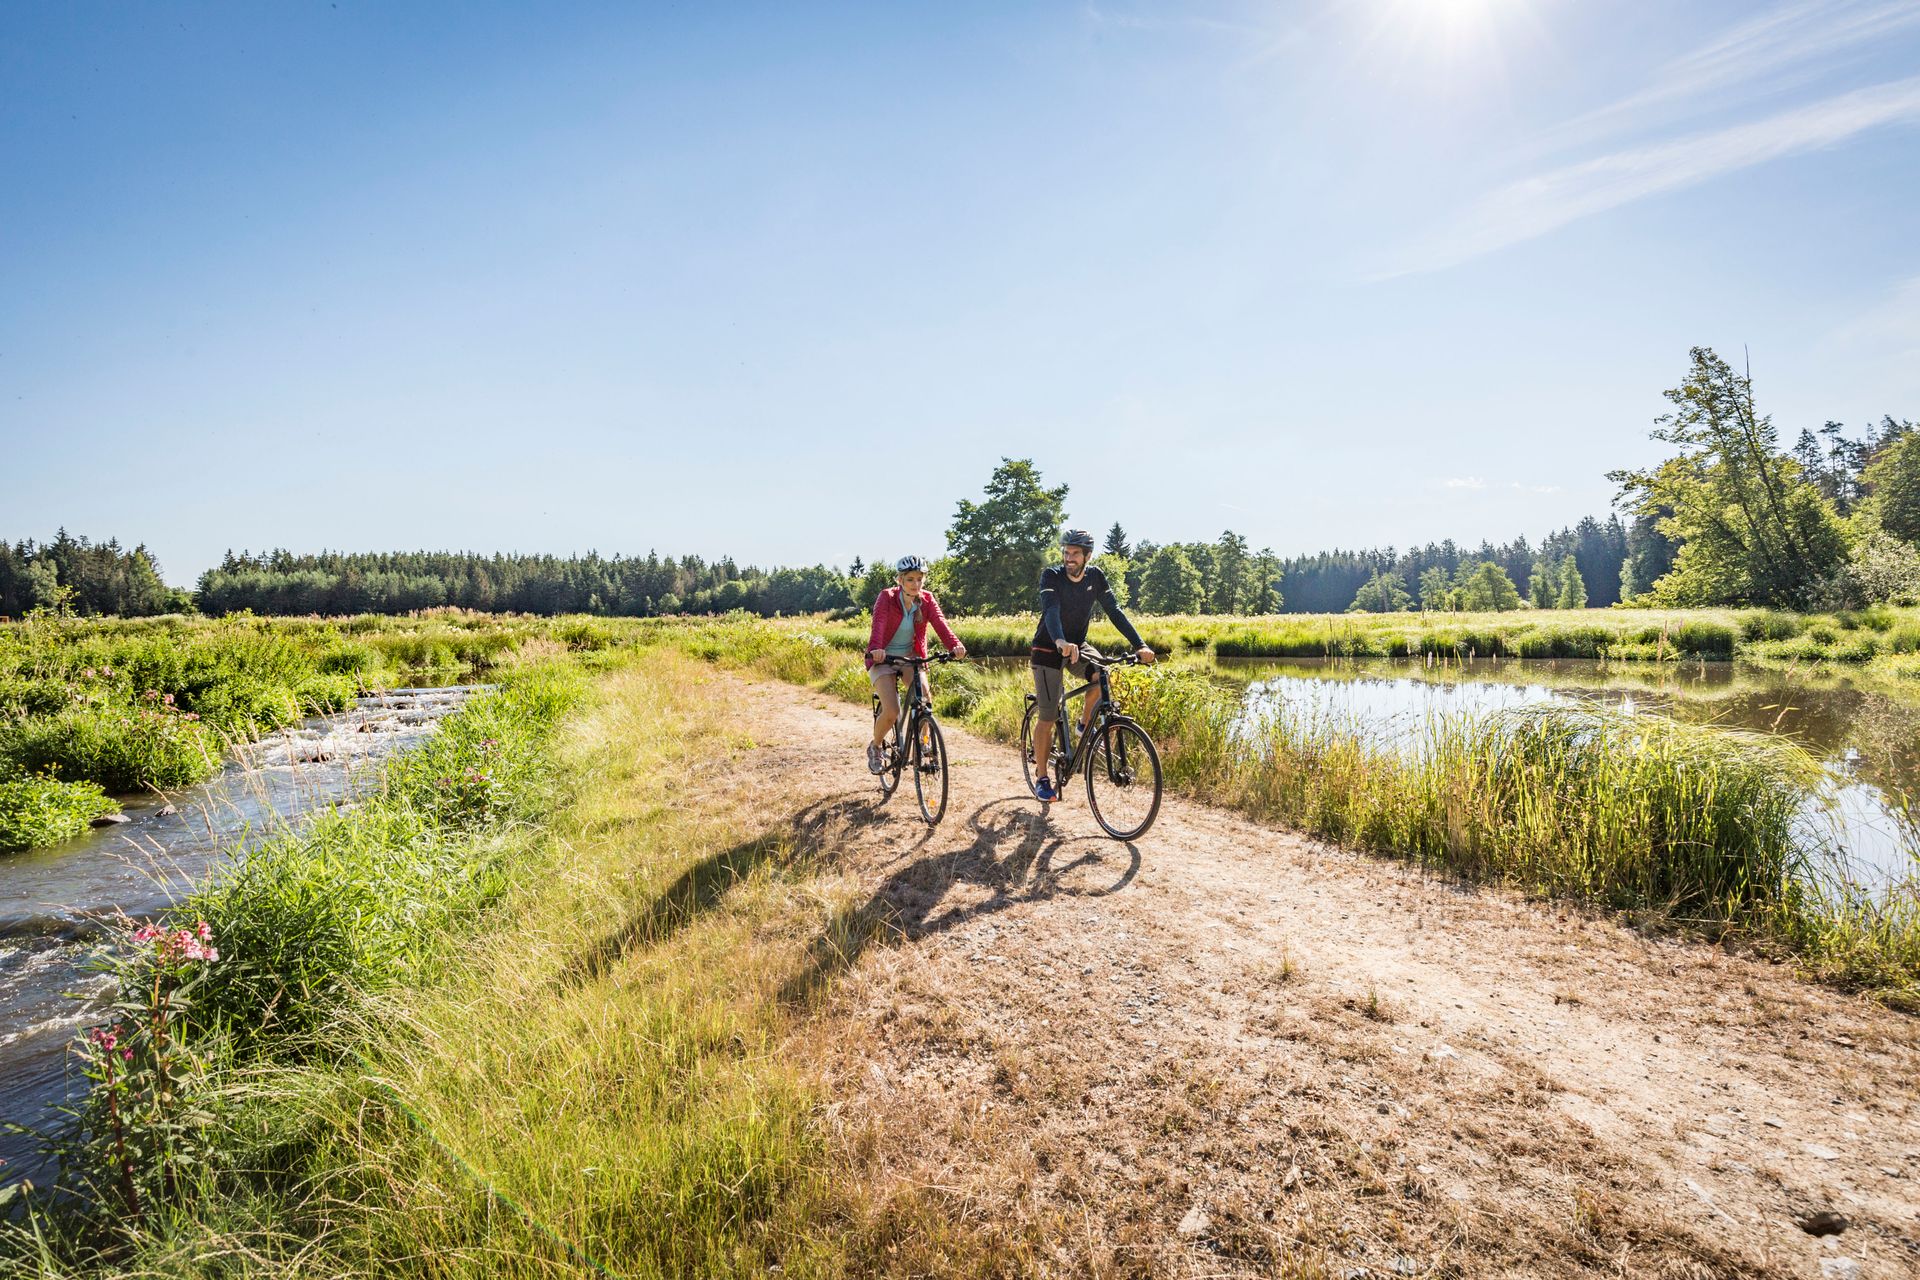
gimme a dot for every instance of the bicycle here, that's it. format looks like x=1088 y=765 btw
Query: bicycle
x=1122 y=765
x=916 y=739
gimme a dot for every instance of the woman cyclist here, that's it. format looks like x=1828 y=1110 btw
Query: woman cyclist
x=901 y=615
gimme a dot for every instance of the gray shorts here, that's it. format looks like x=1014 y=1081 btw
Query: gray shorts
x=1049 y=683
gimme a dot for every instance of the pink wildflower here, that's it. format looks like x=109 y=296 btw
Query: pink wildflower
x=146 y=934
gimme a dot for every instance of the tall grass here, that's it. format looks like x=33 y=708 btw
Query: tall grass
x=1701 y=825
x=1712 y=635
x=572 y=1069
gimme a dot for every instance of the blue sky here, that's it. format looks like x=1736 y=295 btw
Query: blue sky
x=785 y=282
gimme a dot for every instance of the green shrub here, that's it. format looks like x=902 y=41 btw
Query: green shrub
x=123 y=749
x=1701 y=639
x=1771 y=624
x=38 y=810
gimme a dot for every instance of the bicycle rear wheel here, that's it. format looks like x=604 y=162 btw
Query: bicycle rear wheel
x=1123 y=780
x=930 y=770
x=889 y=776
x=1026 y=743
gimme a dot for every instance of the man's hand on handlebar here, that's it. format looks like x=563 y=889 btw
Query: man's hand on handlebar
x=1068 y=650
x=1145 y=655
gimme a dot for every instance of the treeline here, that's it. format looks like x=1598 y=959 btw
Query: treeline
x=281 y=582
x=84 y=577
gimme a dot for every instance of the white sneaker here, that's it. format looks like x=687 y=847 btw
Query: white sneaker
x=876 y=759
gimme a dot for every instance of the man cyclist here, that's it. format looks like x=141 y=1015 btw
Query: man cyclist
x=1068 y=592
x=901 y=615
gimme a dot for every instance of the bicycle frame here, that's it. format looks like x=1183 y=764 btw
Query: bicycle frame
x=911 y=710
x=1104 y=713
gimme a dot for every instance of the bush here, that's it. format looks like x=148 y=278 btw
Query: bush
x=40 y=810
x=1700 y=639
x=123 y=749
x=1770 y=624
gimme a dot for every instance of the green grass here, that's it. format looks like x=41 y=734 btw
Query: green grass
x=1624 y=635
x=451 y=1042
x=132 y=705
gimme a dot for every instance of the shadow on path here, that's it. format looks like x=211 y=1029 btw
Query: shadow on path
x=1009 y=850
x=702 y=886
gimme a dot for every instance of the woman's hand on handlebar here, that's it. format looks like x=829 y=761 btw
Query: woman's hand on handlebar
x=959 y=651
x=878 y=655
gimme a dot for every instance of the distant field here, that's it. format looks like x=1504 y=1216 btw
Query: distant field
x=1887 y=636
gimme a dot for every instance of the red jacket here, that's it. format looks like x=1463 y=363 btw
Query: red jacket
x=887 y=613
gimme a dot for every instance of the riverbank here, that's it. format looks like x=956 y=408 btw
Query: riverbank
x=91 y=709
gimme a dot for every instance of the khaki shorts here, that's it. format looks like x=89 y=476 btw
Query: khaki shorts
x=885 y=679
x=1049 y=683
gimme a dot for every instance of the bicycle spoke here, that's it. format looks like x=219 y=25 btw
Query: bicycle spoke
x=1123 y=780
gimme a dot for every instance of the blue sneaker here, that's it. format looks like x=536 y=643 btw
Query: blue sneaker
x=1043 y=790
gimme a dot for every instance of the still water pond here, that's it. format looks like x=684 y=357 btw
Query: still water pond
x=1867 y=733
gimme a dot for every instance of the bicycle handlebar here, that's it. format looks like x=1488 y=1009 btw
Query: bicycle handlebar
x=912 y=661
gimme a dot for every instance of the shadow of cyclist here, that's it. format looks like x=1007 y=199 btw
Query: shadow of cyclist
x=814 y=836
x=1011 y=852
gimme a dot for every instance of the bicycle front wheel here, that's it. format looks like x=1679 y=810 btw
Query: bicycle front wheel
x=930 y=770
x=1123 y=780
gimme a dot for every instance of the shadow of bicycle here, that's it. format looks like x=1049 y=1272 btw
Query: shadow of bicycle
x=1010 y=851
x=814 y=836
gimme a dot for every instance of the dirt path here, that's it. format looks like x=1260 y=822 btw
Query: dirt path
x=1229 y=1050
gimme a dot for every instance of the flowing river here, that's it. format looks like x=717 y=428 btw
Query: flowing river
x=56 y=902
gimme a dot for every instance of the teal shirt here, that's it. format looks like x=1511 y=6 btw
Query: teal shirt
x=902 y=643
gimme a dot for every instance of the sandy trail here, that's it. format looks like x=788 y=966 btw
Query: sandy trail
x=1230 y=1050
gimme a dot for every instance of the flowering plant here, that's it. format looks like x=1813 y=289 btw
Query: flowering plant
x=142 y=1127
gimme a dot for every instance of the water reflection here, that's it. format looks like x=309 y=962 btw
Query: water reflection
x=1868 y=737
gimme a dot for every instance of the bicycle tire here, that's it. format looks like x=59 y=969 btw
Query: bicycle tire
x=1123 y=762
x=890 y=775
x=930 y=770
x=1026 y=743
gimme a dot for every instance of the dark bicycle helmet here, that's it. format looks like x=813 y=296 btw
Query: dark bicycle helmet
x=909 y=564
x=1077 y=538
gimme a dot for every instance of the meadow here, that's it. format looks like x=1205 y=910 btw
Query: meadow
x=491 y=1021
x=1883 y=635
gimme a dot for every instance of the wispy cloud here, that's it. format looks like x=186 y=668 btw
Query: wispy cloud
x=1517 y=487
x=1888 y=330
x=1775 y=50
x=1781 y=48
x=1463 y=482
x=1535 y=206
